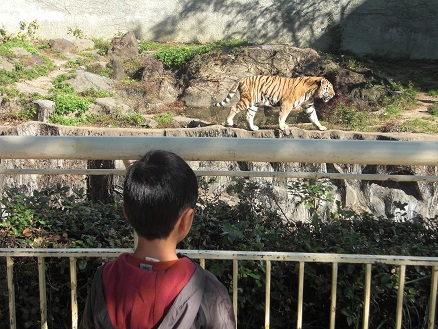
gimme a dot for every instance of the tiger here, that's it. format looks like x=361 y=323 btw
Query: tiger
x=288 y=93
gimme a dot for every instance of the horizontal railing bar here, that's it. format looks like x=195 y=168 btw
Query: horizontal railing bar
x=206 y=173
x=222 y=149
x=230 y=255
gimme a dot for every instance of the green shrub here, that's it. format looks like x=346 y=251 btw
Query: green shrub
x=349 y=117
x=175 y=55
x=433 y=109
x=55 y=217
x=60 y=217
x=70 y=103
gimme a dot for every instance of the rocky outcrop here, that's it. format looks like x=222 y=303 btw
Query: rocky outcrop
x=376 y=197
x=211 y=75
x=124 y=47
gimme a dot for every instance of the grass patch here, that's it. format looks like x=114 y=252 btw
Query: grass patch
x=347 y=116
x=175 y=55
x=433 y=92
x=21 y=69
x=421 y=126
x=164 y=120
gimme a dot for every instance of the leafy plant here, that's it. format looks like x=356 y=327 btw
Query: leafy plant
x=164 y=119
x=312 y=193
x=76 y=32
x=102 y=45
x=28 y=32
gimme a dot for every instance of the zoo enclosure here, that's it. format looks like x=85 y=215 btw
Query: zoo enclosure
x=229 y=149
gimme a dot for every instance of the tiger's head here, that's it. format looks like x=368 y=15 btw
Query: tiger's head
x=326 y=91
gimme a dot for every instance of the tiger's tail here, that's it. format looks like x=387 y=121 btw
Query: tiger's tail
x=230 y=95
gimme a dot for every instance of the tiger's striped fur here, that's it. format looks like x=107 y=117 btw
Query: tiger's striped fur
x=288 y=93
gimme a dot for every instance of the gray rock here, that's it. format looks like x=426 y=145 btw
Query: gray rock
x=149 y=122
x=6 y=65
x=45 y=108
x=62 y=45
x=20 y=52
x=117 y=70
x=125 y=47
x=161 y=84
x=83 y=44
x=86 y=80
x=112 y=105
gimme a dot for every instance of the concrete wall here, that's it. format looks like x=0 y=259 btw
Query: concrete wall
x=394 y=28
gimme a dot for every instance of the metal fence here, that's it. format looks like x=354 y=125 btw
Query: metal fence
x=230 y=149
x=268 y=257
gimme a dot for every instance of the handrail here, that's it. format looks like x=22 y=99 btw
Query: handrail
x=230 y=254
x=222 y=149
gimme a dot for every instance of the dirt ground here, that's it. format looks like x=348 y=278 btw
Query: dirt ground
x=423 y=75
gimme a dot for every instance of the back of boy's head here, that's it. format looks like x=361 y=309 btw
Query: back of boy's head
x=157 y=190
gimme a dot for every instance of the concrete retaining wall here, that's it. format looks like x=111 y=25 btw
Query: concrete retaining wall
x=392 y=28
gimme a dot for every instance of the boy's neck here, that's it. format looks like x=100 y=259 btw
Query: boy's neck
x=162 y=250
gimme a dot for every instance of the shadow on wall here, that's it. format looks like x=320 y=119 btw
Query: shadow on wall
x=392 y=28
x=254 y=20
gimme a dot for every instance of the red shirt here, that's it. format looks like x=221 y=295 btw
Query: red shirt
x=138 y=293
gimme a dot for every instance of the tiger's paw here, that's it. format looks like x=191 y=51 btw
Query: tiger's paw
x=254 y=128
x=322 y=128
x=284 y=127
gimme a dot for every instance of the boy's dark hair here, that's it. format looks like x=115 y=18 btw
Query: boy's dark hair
x=156 y=191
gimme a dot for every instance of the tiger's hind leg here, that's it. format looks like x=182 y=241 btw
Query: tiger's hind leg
x=234 y=110
x=250 y=114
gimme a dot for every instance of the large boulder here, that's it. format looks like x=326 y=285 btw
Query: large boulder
x=162 y=84
x=85 y=80
x=210 y=76
x=124 y=47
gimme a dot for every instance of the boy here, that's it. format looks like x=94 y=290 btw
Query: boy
x=154 y=287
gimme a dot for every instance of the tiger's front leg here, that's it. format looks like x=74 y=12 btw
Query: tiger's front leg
x=250 y=114
x=311 y=112
x=284 y=112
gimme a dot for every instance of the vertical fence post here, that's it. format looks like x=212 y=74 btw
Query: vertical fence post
x=300 y=296
x=11 y=292
x=367 y=296
x=74 y=293
x=333 y=295
x=235 y=275
x=268 y=293
x=433 y=297
x=42 y=286
x=401 y=289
